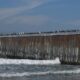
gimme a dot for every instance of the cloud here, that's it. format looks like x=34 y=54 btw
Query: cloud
x=24 y=23
x=28 y=20
x=8 y=12
x=12 y=18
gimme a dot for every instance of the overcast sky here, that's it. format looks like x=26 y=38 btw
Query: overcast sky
x=39 y=15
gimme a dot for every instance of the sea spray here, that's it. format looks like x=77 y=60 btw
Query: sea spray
x=29 y=62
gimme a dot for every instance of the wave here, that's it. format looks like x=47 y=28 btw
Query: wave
x=29 y=62
x=77 y=71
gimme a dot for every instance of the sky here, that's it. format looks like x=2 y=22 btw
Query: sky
x=39 y=15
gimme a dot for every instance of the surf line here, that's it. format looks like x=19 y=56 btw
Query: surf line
x=77 y=71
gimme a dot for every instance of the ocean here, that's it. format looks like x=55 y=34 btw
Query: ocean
x=23 y=69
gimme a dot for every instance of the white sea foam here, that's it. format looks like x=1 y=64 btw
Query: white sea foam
x=77 y=71
x=29 y=62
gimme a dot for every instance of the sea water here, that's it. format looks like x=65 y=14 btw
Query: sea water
x=23 y=69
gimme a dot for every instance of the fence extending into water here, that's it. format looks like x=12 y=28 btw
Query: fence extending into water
x=66 y=46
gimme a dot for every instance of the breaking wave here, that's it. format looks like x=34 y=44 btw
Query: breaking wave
x=29 y=62
x=77 y=71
